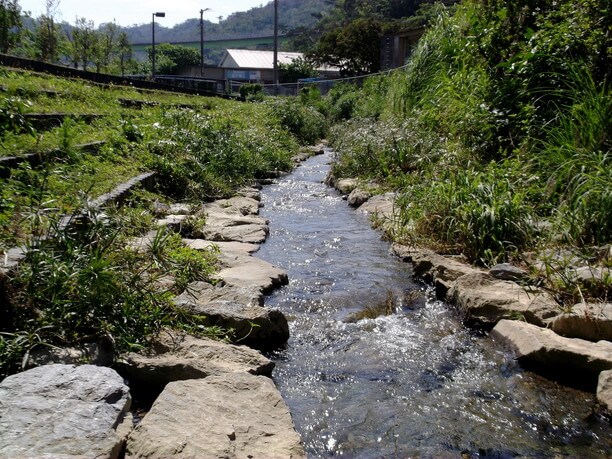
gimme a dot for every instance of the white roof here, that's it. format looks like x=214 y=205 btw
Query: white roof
x=249 y=59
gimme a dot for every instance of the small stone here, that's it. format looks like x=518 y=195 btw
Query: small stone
x=506 y=271
x=357 y=197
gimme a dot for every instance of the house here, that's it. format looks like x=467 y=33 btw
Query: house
x=239 y=66
x=243 y=65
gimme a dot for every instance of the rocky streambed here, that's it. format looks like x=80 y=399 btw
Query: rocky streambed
x=209 y=398
x=406 y=378
x=380 y=362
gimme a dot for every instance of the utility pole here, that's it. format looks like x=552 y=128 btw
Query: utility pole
x=275 y=47
x=202 y=11
x=201 y=42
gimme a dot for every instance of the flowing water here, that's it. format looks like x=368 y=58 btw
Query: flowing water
x=415 y=383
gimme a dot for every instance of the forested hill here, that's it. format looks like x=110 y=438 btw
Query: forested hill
x=255 y=22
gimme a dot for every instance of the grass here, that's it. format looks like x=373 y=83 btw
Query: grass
x=496 y=134
x=86 y=283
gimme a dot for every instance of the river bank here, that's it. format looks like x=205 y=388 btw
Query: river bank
x=192 y=395
x=570 y=346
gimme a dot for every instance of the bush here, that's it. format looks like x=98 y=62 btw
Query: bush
x=201 y=157
x=84 y=285
x=306 y=123
x=252 y=92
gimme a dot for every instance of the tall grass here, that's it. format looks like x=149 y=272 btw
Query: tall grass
x=484 y=215
x=576 y=153
x=484 y=139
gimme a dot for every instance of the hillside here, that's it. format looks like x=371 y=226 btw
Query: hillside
x=255 y=22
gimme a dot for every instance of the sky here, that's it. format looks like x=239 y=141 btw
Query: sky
x=130 y=12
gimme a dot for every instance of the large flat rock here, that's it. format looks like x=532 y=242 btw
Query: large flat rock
x=240 y=269
x=431 y=266
x=177 y=357
x=241 y=205
x=483 y=301
x=590 y=321
x=224 y=226
x=62 y=411
x=233 y=416
x=543 y=351
x=251 y=272
x=381 y=206
x=203 y=293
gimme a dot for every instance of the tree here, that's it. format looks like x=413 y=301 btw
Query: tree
x=354 y=48
x=169 y=58
x=298 y=68
x=47 y=36
x=10 y=24
x=107 y=44
x=124 y=53
x=83 y=41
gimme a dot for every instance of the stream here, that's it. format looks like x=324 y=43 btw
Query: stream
x=415 y=383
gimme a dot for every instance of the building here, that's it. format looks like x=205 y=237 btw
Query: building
x=396 y=48
x=238 y=66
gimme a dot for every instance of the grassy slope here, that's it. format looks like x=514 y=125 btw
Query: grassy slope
x=88 y=285
x=497 y=134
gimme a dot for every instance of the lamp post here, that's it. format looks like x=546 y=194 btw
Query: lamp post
x=202 y=40
x=158 y=15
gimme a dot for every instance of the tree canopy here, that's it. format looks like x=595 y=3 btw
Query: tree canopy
x=10 y=24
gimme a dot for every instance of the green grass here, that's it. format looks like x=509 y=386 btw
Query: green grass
x=496 y=129
x=85 y=286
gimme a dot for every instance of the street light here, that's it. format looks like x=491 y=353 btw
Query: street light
x=202 y=40
x=155 y=15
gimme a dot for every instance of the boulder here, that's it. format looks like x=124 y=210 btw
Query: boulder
x=176 y=357
x=63 y=411
x=252 y=325
x=250 y=192
x=346 y=185
x=241 y=270
x=222 y=226
x=251 y=272
x=380 y=206
x=590 y=321
x=180 y=209
x=594 y=279
x=483 y=301
x=242 y=205
x=232 y=416
x=203 y=293
x=358 y=197
x=228 y=250
x=430 y=266
x=571 y=360
x=506 y=271
x=604 y=389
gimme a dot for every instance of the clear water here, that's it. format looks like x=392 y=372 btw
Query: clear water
x=412 y=384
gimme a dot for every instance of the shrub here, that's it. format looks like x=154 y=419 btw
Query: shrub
x=575 y=154
x=306 y=123
x=252 y=92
